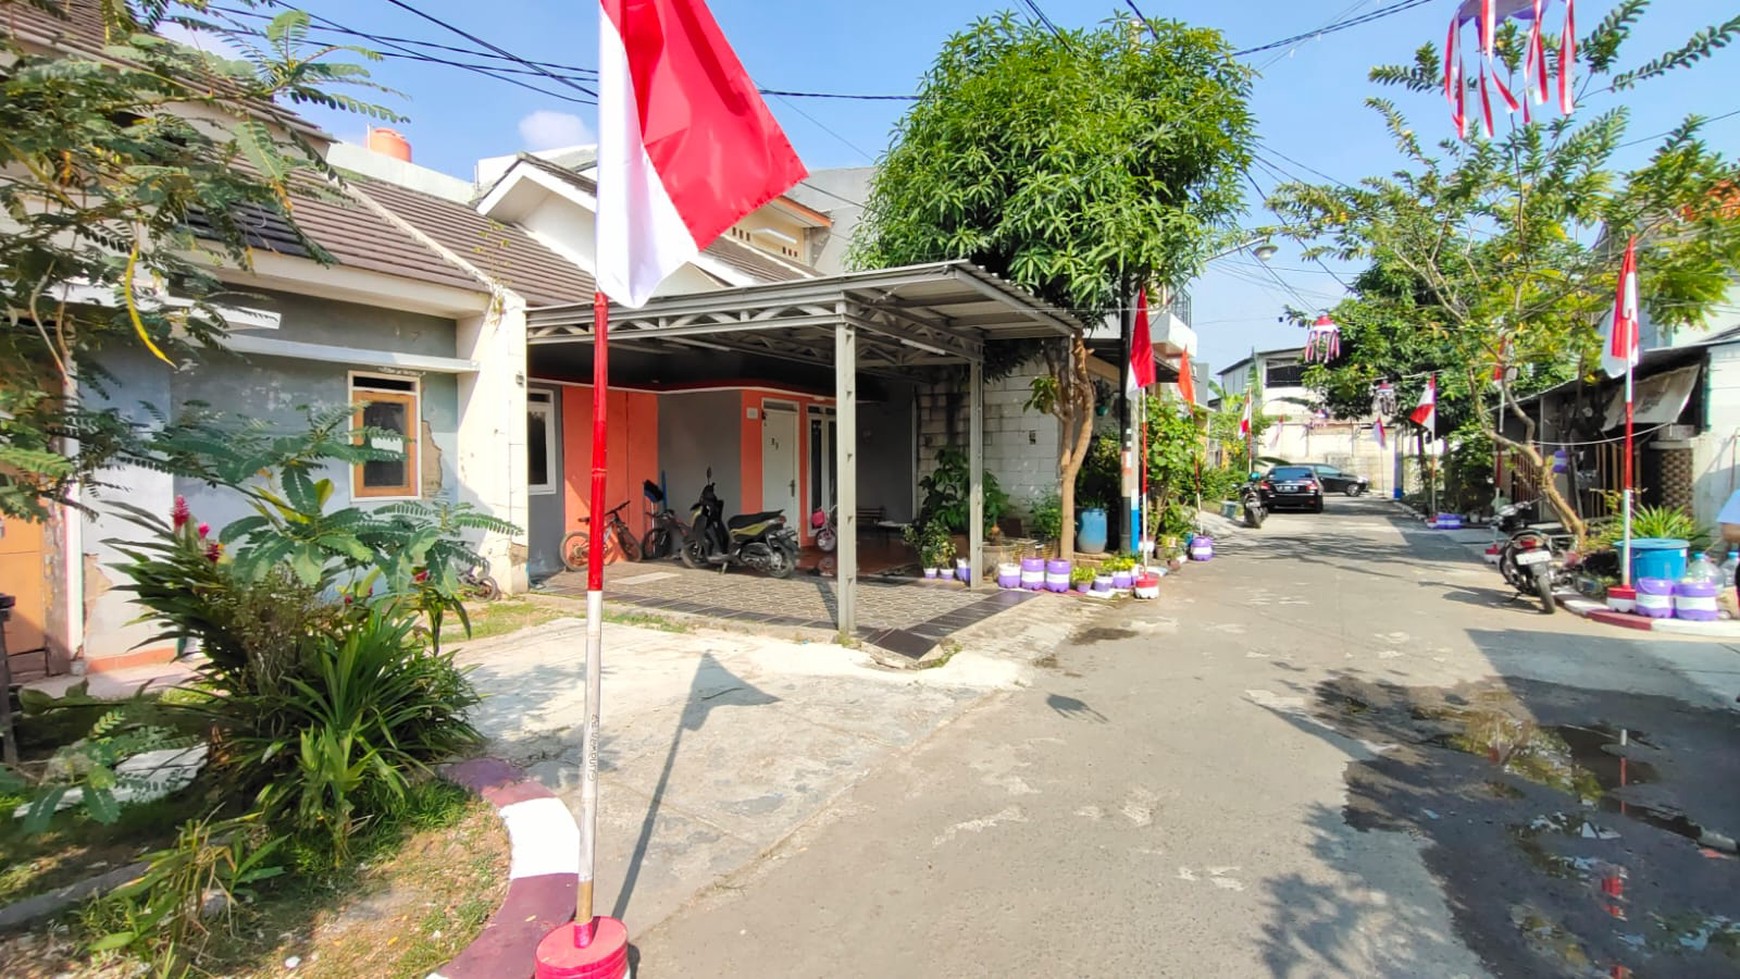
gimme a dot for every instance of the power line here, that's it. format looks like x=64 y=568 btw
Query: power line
x=1340 y=25
x=473 y=38
x=1034 y=6
x=824 y=127
x=1670 y=132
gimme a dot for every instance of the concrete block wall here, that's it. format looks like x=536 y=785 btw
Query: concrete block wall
x=1677 y=484
x=1020 y=444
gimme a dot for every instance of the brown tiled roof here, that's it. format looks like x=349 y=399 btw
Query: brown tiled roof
x=355 y=236
x=747 y=259
x=503 y=252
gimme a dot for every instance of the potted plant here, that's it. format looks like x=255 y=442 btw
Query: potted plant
x=942 y=551
x=1082 y=579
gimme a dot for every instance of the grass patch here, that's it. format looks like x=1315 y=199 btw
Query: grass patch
x=949 y=649
x=499 y=618
x=647 y=620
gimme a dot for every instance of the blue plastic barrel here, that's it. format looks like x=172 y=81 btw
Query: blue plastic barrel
x=1090 y=537
x=1658 y=557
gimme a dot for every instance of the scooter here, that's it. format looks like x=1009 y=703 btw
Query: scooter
x=1536 y=562
x=1252 y=501
x=761 y=541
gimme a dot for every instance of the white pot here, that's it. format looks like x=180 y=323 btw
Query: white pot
x=930 y=572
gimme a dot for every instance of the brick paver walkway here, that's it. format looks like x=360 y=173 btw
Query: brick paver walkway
x=905 y=617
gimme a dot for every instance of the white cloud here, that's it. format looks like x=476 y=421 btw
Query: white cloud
x=547 y=130
x=213 y=44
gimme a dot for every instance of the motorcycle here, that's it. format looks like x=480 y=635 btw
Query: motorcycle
x=761 y=541
x=1251 y=499
x=668 y=533
x=1537 y=562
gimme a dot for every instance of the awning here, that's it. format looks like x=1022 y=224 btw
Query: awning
x=1656 y=400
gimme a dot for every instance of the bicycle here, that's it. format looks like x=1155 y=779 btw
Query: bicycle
x=668 y=532
x=577 y=545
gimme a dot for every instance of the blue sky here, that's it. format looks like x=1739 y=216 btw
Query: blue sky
x=1308 y=101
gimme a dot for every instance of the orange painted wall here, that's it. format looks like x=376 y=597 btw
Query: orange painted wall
x=633 y=421
x=751 y=461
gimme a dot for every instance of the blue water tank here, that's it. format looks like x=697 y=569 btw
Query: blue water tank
x=1090 y=537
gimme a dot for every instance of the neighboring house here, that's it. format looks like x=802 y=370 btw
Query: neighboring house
x=1302 y=432
x=419 y=323
x=1686 y=425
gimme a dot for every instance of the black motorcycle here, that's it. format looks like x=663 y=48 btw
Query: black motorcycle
x=761 y=541
x=669 y=532
x=1251 y=500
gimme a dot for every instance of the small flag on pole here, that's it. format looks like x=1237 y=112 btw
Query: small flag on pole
x=1141 y=346
x=1245 y=419
x=1619 y=347
x=1377 y=432
x=1425 y=414
x=1186 y=380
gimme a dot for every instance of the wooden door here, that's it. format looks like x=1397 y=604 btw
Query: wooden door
x=24 y=576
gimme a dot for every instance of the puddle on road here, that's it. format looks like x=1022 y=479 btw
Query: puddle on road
x=1098 y=634
x=1532 y=800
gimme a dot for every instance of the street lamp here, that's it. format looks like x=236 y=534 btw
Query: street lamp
x=1261 y=246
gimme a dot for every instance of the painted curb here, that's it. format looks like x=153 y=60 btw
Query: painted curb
x=1598 y=612
x=543 y=871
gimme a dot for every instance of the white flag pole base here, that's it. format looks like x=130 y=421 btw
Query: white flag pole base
x=590 y=947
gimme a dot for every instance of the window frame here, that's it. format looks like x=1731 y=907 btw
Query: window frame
x=552 y=471
x=362 y=393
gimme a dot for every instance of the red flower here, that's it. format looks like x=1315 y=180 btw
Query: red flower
x=181 y=514
x=204 y=529
x=213 y=551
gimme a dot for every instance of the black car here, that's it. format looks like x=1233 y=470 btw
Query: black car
x=1339 y=480
x=1292 y=486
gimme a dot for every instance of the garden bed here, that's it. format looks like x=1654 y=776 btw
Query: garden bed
x=418 y=892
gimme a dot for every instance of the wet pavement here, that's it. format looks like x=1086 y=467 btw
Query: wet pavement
x=1577 y=832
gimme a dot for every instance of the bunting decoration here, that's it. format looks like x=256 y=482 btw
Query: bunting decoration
x=1538 y=78
x=1323 y=340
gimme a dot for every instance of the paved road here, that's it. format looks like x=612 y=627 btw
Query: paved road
x=1167 y=799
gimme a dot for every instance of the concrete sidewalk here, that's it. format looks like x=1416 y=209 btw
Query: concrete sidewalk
x=718 y=745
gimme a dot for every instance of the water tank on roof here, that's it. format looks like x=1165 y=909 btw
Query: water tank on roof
x=390 y=142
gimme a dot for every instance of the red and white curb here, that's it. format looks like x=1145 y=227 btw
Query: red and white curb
x=543 y=872
x=1599 y=612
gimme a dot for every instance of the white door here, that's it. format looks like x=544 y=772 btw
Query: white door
x=779 y=458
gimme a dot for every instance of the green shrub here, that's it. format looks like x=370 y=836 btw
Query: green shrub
x=1048 y=517
x=946 y=493
x=1654 y=521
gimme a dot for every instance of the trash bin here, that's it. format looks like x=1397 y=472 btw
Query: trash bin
x=1658 y=557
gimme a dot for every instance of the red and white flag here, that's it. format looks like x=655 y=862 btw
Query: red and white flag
x=1141 y=347
x=1425 y=414
x=686 y=145
x=1245 y=419
x=1377 y=432
x=1620 y=342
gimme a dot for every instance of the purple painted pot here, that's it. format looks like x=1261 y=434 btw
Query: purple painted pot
x=1057 y=576
x=1085 y=587
x=1122 y=579
x=1695 y=601
x=1655 y=597
x=1008 y=576
x=1033 y=573
x=1201 y=548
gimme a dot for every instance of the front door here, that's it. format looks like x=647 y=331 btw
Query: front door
x=779 y=458
x=23 y=576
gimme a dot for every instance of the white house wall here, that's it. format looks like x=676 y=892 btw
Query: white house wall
x=1021 y=445
x=1716 y=453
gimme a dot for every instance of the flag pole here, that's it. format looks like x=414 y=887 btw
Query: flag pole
x=1625 y=564
x=583 y=916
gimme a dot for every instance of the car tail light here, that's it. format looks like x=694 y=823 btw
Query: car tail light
x=1527 y=544
x=1310 y=484
x=1265 y=484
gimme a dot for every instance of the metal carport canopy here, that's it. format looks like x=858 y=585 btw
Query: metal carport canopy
x=913 y=317
x=890 y=321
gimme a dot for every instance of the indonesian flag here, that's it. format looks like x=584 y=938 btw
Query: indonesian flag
x=1377 y=432
x=1141 y=347
x=1186 y=382
x=686 y=146
x=1425 y=414
x=1245 y=419
x=1619 y=345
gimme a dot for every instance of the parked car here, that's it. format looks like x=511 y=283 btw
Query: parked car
x=1340 y=480
x=1292 y=486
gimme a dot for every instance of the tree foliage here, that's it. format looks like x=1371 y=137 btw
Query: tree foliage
x=1077 y=164
x=131 y=175
x=1492 y=261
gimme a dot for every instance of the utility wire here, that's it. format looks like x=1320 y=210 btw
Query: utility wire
x=1340 y=25
x=1034 y=6
x=473 y=38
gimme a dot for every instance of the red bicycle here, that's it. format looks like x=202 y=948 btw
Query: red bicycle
x=618 y=540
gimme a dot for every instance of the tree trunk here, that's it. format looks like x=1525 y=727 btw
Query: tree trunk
x=1074 y=409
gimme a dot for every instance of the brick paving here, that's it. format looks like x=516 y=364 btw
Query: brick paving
x=904 y=616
